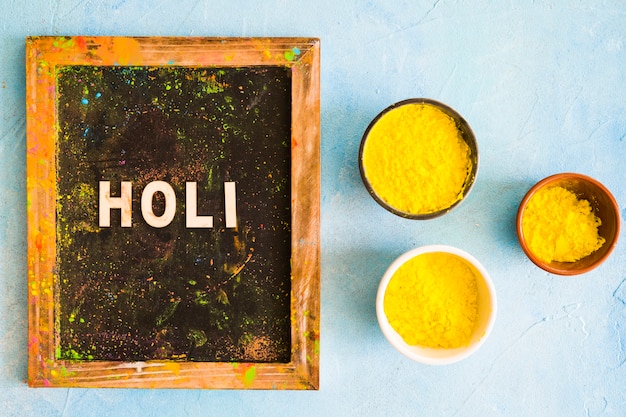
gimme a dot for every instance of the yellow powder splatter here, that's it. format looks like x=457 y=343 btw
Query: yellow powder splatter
x=173 y=367
x=432 y=299
x=560 y=227
x=416 y=160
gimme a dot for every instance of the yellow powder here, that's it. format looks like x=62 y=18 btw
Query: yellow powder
x=416 y=160
x=560 y=227
x=431 y=300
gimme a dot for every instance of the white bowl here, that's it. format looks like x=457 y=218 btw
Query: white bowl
x=487 y=307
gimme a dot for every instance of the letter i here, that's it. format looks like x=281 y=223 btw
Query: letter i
x=230 y=204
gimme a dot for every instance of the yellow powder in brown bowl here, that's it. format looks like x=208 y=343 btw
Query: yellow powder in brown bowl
x=560 y=227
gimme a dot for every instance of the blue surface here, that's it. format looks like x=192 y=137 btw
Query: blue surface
x=543 y=86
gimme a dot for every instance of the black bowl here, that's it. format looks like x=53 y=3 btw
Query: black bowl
x=466 y=133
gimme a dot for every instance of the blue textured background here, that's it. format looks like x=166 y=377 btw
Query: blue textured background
x=543 y=85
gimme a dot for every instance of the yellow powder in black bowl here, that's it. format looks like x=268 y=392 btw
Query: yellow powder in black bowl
x=415 y=159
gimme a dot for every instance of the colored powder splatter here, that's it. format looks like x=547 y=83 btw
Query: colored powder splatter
x=291 y=54
x=124 y=50
x=250 y=376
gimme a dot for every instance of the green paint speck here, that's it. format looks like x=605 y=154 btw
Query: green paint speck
x=250 y=375
x=292 y=53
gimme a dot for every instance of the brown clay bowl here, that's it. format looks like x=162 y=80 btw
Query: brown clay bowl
x=604 y=206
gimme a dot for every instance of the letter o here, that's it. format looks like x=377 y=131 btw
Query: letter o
x=170 y=204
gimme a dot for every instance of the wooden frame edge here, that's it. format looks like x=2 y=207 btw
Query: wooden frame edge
x=302 y=55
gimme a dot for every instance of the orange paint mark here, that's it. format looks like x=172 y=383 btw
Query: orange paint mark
x=38 y=242
x=81 y=43
x=124 y=51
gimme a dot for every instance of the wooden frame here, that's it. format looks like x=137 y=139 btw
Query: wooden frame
x=44 y=57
